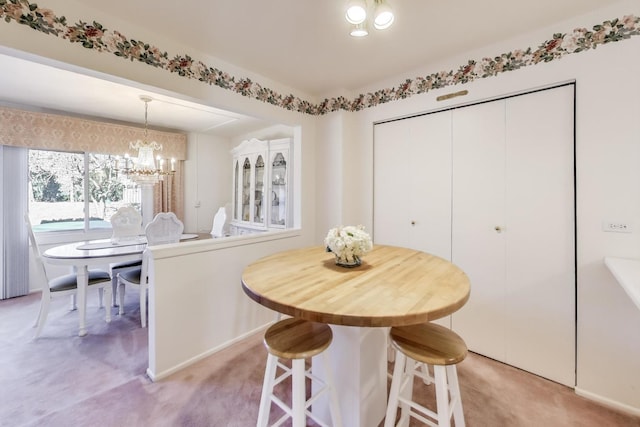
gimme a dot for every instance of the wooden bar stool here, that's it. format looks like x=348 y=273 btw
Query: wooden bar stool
x=435 y=345
x=296 y=340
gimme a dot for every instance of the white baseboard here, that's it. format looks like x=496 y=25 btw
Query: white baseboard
x=156 y=377
x=608 y=402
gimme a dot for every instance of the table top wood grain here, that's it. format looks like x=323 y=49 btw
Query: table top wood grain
x=394 y=286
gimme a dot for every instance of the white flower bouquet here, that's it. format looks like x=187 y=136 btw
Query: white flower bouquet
x=348 y=244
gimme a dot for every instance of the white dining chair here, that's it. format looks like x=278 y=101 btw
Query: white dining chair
x=126 y=224
x=164 y=229
x=220 y=223
x=65 y=285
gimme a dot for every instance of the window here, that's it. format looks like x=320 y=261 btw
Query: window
x=75 y=191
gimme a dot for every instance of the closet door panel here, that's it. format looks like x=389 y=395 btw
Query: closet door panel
x=391 y=194
x=478 y=208
x=430 y=171
x=540 y=234
x=412 y=183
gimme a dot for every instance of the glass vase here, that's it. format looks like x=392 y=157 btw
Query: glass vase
x=342 y=262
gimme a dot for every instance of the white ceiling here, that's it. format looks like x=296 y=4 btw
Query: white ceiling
x=303 y=44
x=110 y=99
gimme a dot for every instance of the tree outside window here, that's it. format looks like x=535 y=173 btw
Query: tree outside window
x=63 y=196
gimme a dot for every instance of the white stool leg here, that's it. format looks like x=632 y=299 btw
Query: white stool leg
x=334 y=404
x=121 y=296
x=42 y=317
x=391 y=352
x=114 y=289
x=456 y=398
x=442 y=396
x=267 y=389
x=298 y=395
x=143 y=306
x=394 y=392
x=406 y=391
x=427 y=375
x=107 y=307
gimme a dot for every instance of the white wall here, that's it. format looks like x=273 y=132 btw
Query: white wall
x=199 y=305
x=607 y=181
x=207 y=180
x=330 y=163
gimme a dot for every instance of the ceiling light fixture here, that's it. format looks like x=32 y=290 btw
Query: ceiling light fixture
x=145 y=169
x=356 y=11
x=383 y=15
x=359 y=30
x=356 y=14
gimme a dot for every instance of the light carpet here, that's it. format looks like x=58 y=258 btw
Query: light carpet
x=62 y=380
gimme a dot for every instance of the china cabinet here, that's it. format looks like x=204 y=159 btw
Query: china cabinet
x=261 y=185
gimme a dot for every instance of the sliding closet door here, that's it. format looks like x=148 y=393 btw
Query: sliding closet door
x=412 y=183
x=478 y=224
x=540 y=261
x=391 y=177
x=513 y=230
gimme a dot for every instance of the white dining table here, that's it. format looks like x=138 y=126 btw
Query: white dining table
x=86 y=254
x=93 y=253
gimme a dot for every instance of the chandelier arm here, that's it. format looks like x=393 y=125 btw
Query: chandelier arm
x=146 y=169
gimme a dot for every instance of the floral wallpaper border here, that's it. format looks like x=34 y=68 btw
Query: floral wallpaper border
x=93 y=35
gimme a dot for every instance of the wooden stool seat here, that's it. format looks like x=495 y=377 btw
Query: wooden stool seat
x=296 y=340
x=428 y=344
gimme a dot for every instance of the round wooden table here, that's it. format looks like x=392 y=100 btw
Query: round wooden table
x=393 y=287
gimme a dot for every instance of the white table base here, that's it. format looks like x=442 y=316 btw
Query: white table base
x=359 y=359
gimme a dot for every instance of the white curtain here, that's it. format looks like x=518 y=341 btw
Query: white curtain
x=14 y=252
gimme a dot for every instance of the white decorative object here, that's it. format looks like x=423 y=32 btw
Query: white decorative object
x=348 y=243
x=219 y=222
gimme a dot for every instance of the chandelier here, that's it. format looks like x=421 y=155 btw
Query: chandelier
x=145 y=168
x=356 y=15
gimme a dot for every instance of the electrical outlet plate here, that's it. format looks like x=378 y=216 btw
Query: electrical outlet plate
x=617 y=227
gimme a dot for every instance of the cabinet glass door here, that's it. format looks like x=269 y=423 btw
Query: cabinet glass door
x=236 y=180
x=246 y=188
x=278 y=190
x=258 y=211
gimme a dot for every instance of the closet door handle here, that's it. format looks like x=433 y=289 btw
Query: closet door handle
x=498 y=229
x=413 y=223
